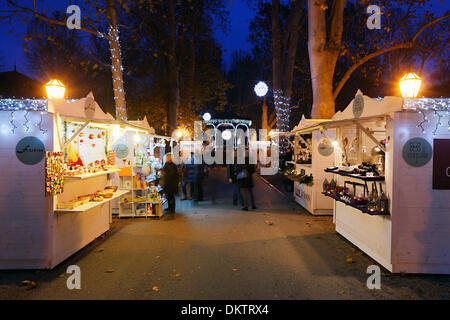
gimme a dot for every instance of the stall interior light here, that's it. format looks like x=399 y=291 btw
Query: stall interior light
x=335 y=143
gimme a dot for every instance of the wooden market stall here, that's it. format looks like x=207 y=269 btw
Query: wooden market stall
x=391 y=181
x=59 y=178
x=313 y=152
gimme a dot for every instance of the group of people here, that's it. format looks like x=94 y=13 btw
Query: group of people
x=192 y=175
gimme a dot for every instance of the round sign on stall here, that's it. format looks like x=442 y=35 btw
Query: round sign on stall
x=30 y=150
x=417 y=152
x=121 y=150
x=358 y=106
x=325 y=149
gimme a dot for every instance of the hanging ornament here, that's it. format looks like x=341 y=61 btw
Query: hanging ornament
x=81 y=140
x=75 y=142
x=93 y=145
x=81 y=134
x=99 y=136
x=27 y=127
x=40 y=124
x=14 y=127
x=103 y=133
x=91 y=136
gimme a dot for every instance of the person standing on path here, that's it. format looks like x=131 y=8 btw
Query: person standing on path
x=244 y=177
x=231 y=174
x=169 y=182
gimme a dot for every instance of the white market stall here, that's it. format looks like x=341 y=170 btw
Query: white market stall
x=313 y=152
x=139 y=154
x=58 y=179
x=391 y=181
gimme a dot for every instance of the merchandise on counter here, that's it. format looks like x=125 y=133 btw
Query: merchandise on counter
x=54 y=173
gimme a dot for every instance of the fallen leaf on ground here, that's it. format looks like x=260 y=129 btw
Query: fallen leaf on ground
x=176 y=275
x=109 y=271
x=270 y=223
x=349 y=260
x=62 y=275
x=353 y=249
x=157 y=257
x=155 y=288
x=342 y=292
x=28 y=284
x=99 y=250
x=235 y=269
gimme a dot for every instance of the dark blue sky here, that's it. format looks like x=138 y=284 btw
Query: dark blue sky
x=236 y=38
x=11 y=49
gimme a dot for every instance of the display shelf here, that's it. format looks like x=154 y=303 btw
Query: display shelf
x=360 y=208
x=92 y=204
x=352 y=175
x=90 y=175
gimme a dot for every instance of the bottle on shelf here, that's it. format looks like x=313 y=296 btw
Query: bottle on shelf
x=372 y=204
x=383 y=205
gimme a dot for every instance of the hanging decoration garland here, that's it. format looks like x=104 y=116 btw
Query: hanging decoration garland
x=39 y=125
x=438 y=122
x=425 y=120
x=14 y=127
x=27 y=127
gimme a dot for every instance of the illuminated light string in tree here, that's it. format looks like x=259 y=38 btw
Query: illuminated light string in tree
x=283 y=111
x=116 y=54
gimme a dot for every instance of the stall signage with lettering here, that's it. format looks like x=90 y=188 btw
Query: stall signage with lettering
x=417 y=152
x=30 y=150
x=441 y=164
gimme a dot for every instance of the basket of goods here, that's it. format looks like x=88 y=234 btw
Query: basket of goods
x=84 y=199
x=97 y=198
x=111 y=189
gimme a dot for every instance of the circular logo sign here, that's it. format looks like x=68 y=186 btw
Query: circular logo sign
x=325 y=149
x=358 y=106
x=30 y=150
x=417 y=152
x=121 y=151
x=89 y=107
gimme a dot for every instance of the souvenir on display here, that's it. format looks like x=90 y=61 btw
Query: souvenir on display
x=54 y=173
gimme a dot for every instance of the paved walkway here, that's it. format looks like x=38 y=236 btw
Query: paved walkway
x=214 y=250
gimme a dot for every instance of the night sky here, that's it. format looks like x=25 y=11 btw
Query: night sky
x=11 y=49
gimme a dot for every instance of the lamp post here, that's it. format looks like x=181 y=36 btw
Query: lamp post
x=261 y=90
x=410 y=85
x=55 y=89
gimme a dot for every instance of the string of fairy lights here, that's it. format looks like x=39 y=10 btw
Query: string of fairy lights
x=119 y=92
x=435 y=106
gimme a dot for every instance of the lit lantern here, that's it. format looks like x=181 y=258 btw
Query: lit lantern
x=261 y=89
x=55 y=89
x=226 y=135
x=207 y=116
x=410 y=85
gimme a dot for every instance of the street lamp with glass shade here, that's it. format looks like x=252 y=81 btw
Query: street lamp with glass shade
x=55 y=89
x=410 y=85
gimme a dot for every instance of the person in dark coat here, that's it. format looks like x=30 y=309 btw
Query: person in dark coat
x=170 y=179
x=244 y=177
x=231 y=174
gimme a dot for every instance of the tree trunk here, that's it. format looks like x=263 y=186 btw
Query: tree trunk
x=174 y=91
x=264 y=115
x=322 y=85
x=116 y=62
